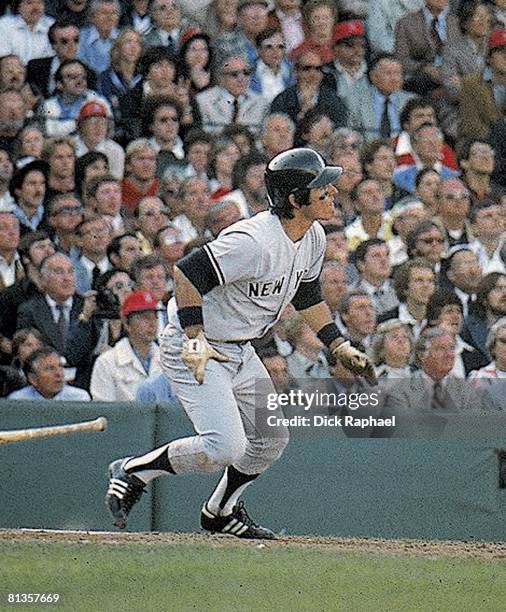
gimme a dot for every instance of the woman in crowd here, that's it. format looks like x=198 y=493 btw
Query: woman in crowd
x=391 y=350
x=320 y=17
x=24 y=342
x=195 y=59
x=89 y=166
x=29 y=144
x=220 y=168
x=427 y=184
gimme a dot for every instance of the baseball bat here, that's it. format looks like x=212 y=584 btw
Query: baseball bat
x=18 y=435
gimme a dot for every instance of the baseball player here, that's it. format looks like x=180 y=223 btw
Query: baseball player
x=227 y=293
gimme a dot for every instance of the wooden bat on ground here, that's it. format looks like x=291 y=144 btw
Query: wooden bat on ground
x=18 y=435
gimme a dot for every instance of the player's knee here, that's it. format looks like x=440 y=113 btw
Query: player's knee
x=228 y=450
x=278 y=444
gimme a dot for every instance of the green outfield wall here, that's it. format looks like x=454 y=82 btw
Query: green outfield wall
x=324 y=484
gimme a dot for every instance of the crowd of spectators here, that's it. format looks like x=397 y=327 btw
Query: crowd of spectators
x=132 y=132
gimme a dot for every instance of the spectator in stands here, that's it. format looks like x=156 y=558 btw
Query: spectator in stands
x=196 y=200
x=496 y=369
x=149 y=273
x=151 y=216
x=94 y=124
x=356 y=311
x=28 y=188
x=333 y=284
x=391 y=350
x=487 y=224
x=382 y=20
x=463 y=274
x=105 y=200
x=428 y=240
x=315 y=131
x=52 y=311
x=12 y=73
x=414 y=283
x=88 y=167
x=419 y=41
x=428 y=142
x=230 y=101
x=375 y=114
x=372 y=260
x=349 y=67
x=427 y=183
x=12 y=118
x=11 y=269
x=195 y=60
x=93 y=236
x=140 y=173
x=170 y=248
x=273 y=72
x=33 y=249
x=489 y=307
x=278 y=131
x=352 y=175
x=119 y=371
x=98 y=37
x=454 y=203
x=64 y=39
x=60 y=155
x=445 y=310
x=167 y=25
x=161 y=120
x=222 y=214
x=123 y=250
x=481 y=100
x=25 y=32
x=197 y=146
x=287 y=17
x=248 y=185
x=60 y=111
x=320 y=18
x=310 y=91
x=46 y=377
x=378 y=161
x=6 y=171
x=123 y=74
x=72 y=11
x=64 y=212
x=405 y=216
x=371 y=221
x=136 y=15
x=477 y=160
x=24 y=342
x=416 y=112
x=222 y=159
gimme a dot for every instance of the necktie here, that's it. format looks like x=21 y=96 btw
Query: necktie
x=235 y=112
x=438 y=43
x=438 y=401
x=94 y=276
x=385 y=127
x=170 y=44
x=61 y=323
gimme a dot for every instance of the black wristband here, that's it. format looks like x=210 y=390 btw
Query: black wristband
x=328 y=333
x=190 y=315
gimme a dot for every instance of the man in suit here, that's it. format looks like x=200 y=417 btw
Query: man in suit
x=64 y=39
x=93 y=236
x=419 y=40
x=167 y=25
x=425 y=403
x=28 y=188
x=230 y=101
x=311 y=91
x=482 y=99
x=463 y=274
x=375 y=113
x=11 y=269
x=52 y=311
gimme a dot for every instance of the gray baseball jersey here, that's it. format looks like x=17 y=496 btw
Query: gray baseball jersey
x=259 y=269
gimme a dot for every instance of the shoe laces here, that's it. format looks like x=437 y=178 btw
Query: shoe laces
x=132 y=494
x=241 y=514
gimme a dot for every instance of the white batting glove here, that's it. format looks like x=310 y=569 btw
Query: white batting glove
x=196 y=353
x=354 y=360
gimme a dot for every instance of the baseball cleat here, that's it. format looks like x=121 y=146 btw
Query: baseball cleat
x=239 y=524
x=123 y=492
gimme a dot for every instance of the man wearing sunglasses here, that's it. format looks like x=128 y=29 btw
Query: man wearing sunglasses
x=230 y=101
x=64 y=39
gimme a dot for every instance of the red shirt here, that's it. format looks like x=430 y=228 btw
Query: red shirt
x=132 y=196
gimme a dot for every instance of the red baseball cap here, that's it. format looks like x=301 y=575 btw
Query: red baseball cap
x=138 y=301
x=497 y=39
x=94 y=108
x=348 y=29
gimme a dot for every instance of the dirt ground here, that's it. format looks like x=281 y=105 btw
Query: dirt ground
x=481 y=550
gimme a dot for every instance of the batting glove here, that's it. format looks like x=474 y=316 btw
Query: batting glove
x=354 y=360
x=196 y=353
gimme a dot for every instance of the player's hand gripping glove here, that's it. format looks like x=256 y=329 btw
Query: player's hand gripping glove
x=196 y=353
x=354 y=360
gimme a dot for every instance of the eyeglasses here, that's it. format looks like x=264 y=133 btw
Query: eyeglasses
x=281 y=46
x=237 y=73
x=309 y=68
x=69 y=210
x=67 y=41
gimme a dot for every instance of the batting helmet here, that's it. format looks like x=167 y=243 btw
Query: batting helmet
x=295 y=170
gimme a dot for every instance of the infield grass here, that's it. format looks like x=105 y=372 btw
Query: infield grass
x=225 y=578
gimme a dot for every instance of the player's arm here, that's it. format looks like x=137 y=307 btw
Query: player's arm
x=193 y=278
x=309 y=302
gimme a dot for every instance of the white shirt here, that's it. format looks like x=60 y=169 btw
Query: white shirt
x=112 y=150
x=464 y=298
x=177 y=150
x=17 y=38
x=406 y=317
x=291 y=28
x=67 y=307
x=272 y=84
x=103 y=265
x=488 y=264
x=8 y=270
